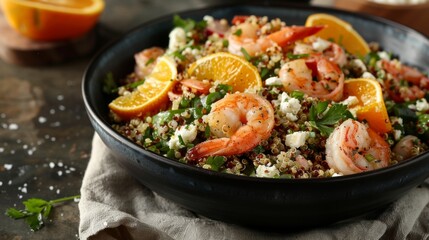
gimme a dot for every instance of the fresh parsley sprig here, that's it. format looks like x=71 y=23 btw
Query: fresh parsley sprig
x=36 y=211
x=324 y=119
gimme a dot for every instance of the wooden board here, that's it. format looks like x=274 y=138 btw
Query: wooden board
x=17 y=49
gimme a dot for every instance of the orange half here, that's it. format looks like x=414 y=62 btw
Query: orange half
x=52 y=19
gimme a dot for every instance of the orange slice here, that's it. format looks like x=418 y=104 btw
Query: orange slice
x=228 y=69
x=371 y=107
x=52 y=19
x=152 y=95
x=341 y=32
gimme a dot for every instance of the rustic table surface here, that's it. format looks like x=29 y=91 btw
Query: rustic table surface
x=45 y=135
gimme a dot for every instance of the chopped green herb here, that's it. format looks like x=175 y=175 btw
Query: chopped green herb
x=134 y=85
x=178 y=54
x=323 y=120
x=207 y=131
x=225 y=43
x=36 y=211
x=259 y=149
x=246 y=54
x=151 y=60
x=369 y=157
x=297 y=94
x=238 y=32
x=188 y=24
x=264 y=72
x=109 y=84
x=292 y=56
x=288 y=176
x=165 y=116
x=215 y=162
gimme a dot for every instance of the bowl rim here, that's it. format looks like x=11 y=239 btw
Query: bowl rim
x=184 y=166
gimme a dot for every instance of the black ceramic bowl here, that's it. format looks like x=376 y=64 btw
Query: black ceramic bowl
x=249 y=200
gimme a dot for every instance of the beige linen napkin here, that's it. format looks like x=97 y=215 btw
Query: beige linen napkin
x=115 y=206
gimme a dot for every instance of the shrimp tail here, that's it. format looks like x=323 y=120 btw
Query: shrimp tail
x=289 y=35
x=207 y=148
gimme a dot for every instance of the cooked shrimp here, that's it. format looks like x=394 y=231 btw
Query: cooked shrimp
x=409 y=90
x=146 y=59
x=353 y=148
x=250 y=39
x=196 y=85
x=316 y=76
x=240 y=121
x=407 y=147
x=334 y=52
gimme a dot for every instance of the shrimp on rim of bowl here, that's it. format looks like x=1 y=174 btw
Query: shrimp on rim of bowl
x=248 y=36
x=353 y=148
x=405 y=83
x=240 y=121
x=301 y=74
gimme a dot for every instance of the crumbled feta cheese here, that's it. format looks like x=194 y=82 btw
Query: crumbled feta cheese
x=289 y=106
x=7 y=166
x=397 y=120
x=208 y=19
x=397 y=134
x=268 y=172
x=321 y=45
x=177 y=39
x=350 y=101
x=368 y=75
x=384 y=55
x=273 y=81
x=422 y=105
x=297 y=139
x=357 y=63
x=187 y=133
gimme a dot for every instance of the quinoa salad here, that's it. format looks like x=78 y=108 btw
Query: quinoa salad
x=298 y=113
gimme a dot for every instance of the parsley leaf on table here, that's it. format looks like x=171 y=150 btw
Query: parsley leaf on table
x=36 y=210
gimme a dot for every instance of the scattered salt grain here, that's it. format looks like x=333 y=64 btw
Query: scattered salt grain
x=31 y=151
x=55 y=124
x=60 y=173
x=1 y=149
x=60 y=164
x=1 y=183
x=8 y=166
x=61 y=107
x=51 y=165
x=42 y=119
x=58 y=191
x=52 y=111
x=60 y=97
x=24 y=190
x=10 y=182
x=51 y=188
x=13 y=126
